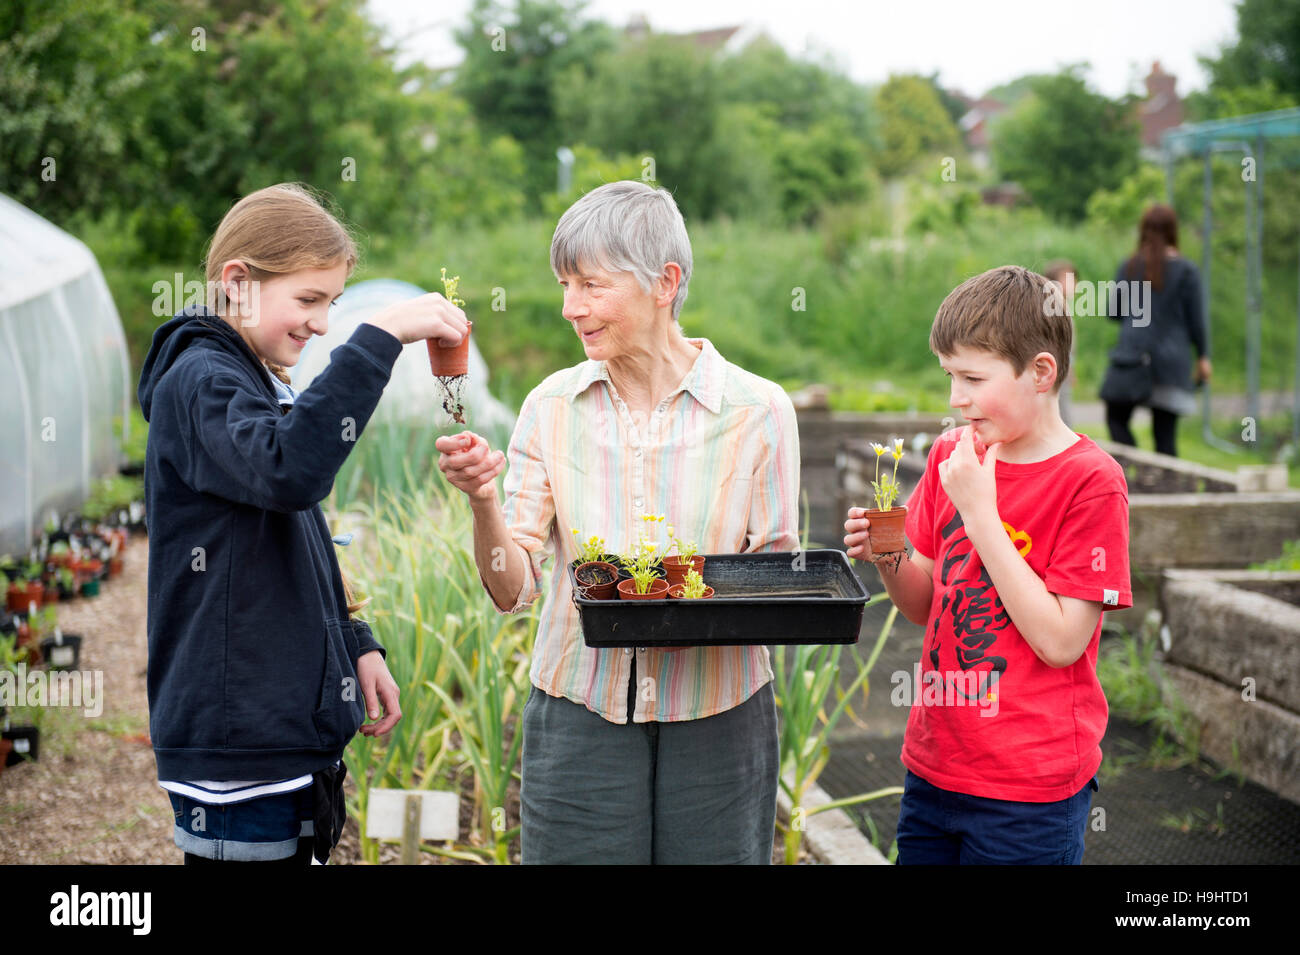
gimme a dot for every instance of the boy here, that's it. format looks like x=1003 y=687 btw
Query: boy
x=1017 y=553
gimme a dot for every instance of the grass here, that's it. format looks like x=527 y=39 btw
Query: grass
x=1196 y=820
x=1133 y=683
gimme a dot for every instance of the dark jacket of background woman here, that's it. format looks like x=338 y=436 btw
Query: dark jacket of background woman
x=1165 y=327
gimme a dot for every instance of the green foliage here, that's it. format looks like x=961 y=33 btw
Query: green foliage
x=1122 y=207
x=1063 y=142
x=461 y=667
x=136 y=440
x=804 y=678
x=1266 y=49
x=915 y=125
x=112 y=494
x=1223 y=102
x=591 y=169
x=654 y=97
x=71 y=73
x=514 y=57
x=1134 y=686
x=169 y=112
x=1289 y=559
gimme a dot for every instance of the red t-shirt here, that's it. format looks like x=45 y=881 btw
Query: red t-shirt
x=989 y=718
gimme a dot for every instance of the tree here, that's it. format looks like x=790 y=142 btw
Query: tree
x=1063 y=142
x=914 y=124
x=1267 y=50
x=513 y=59
x=656 y=98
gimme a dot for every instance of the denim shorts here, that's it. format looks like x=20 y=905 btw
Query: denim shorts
x=257 y=830
x=939 y=827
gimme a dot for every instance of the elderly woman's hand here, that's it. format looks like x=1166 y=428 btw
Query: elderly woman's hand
x=469 y=464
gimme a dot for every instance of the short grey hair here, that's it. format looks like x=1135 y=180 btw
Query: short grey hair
x=624 y=226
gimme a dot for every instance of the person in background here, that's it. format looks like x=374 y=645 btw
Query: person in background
x=1159 y=301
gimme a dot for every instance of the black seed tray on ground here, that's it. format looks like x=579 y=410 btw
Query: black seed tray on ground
x=769 y=599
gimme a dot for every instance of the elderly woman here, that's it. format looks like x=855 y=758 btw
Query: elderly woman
x=654 y=755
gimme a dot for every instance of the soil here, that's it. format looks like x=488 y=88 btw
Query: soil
x=596 y=575
x=452 y=402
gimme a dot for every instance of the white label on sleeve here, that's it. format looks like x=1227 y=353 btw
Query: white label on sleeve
x=1110 y=597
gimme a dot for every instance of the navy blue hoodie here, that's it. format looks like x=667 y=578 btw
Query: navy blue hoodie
x=252 y=656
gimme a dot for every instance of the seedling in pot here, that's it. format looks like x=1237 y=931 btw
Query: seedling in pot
x=686 y=559
x=596 y=576
x=451 y=365
x=644 y=563
x=691 y=588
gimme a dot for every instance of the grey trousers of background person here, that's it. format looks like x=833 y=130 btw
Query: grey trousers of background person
x=690 y=792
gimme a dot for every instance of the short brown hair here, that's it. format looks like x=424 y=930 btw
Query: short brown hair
x=1010 y=311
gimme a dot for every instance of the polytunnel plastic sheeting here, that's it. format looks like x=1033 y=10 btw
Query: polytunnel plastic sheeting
x=412 y=392
x=56 y=400
x=13 y=442
x=98 y=339
x=63 y=374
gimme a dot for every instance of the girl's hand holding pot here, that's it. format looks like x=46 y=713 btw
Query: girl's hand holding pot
x=469 y=464
x=428 y=316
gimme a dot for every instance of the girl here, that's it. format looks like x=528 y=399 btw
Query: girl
x=256 y=672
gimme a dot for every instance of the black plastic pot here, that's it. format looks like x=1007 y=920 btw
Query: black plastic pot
x=62 y=656
x=27 y=744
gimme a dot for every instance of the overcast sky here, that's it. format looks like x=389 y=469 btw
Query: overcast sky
x=975 y=44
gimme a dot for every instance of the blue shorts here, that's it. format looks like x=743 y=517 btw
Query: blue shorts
x=257 y=830
x=939 y=827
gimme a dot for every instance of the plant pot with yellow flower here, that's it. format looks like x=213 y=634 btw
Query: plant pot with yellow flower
x=645 y=566
x=887 y=521
x=684 y=561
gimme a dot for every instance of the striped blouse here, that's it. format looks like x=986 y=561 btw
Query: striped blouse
x=719 y=457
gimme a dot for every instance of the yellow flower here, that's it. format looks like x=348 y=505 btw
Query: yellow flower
x=878 y=448
x=898 y=447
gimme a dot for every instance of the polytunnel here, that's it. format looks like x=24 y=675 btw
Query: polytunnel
x=64 y=374
x=412 y=393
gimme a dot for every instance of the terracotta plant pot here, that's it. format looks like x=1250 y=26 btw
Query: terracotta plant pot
x=658 y=590
x=26 y=640
x=114 y=566
x=675 y=592
x=448 y=362
x=22 y=594
x=887 y=529
x=677 y=568
x=6 y=747
x=598 y=590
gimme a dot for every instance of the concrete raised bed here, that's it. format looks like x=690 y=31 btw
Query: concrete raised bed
x=1233 y=659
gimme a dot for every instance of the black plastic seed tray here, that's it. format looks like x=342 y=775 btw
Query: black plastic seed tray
x=767 y=599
